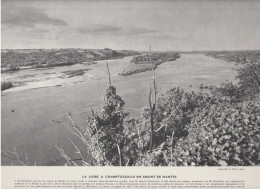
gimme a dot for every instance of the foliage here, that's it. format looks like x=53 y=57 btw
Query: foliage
x=142 y=63
x=221 y=128
x=6 y=85
x=10 y=68
x=230 y=91
x=226 y=134
x=249 y=75
x=241 y=57
x=107 y=131
x=248 y=86
x=249 y=79
x=205 y=130
x=57 y=57
x=189 y=125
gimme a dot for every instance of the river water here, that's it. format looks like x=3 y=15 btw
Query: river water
x=28 y=111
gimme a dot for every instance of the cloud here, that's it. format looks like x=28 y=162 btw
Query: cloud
x=28 y=17
x=138 y=31
x=108 y=29
x=98 y=29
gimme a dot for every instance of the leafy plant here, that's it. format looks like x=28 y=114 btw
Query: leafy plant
x=107 y=131
x=249 y=79
x=224 y=135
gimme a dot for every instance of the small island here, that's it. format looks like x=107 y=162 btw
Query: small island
x=143 y=63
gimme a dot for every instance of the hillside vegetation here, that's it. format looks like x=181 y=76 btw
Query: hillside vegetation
x=40 y=58
x=252 y=57
x=142 y=63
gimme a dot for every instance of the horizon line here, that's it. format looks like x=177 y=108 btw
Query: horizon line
x=124 y=49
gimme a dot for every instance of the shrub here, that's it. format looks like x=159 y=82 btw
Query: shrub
x=248 y=86
x=6 y=85
x=225 y=135
x=231 y=91
x=204 y=129
x=249 y=79
x=176 y=109
x=106 y=130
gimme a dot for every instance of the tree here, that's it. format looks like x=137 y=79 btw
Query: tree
x=152 y=101
x=106 y=130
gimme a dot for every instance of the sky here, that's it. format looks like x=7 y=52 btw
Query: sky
x=133 y=25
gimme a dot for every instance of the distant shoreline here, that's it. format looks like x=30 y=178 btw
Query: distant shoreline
x=15 y=60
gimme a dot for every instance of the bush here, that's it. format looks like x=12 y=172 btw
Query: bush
x=249 y=79
x=248 y=86
x=230 y=91
x=224 y=135
x=6 y=85
x=205 y=130
x=177 y=108
x=106 y=130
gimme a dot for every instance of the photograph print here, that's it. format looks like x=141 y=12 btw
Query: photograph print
x=130 y=83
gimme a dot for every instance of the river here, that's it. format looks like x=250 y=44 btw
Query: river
x=28 y=111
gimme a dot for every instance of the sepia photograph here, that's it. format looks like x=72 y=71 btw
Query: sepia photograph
x=130 y=83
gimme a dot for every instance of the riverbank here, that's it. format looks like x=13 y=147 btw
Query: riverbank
x=13 y=60
x=57 y=76
x=241 y=57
